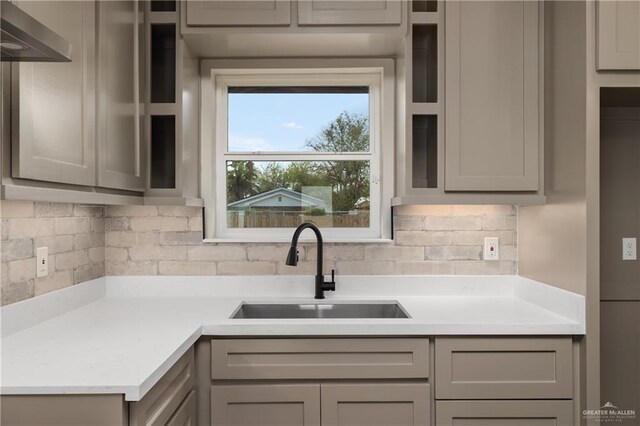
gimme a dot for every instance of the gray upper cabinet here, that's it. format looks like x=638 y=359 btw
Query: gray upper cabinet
x=53 y=104
x=492 y=96
x=229 y=13
x=120 y=122
x=618 y=27
x=348 y=12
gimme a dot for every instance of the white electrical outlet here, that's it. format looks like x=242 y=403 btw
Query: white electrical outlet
x=629 y=251
x=491 y=248
x=42 y=262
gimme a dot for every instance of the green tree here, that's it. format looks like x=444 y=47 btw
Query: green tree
x=304 y=173
x=349 y=179
x=271 y=177
x=347 y=133
x=240 y=180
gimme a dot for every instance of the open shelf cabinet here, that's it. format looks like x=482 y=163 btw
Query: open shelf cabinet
x=172 y=110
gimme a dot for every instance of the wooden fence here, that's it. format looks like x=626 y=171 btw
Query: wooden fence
x=291 y=219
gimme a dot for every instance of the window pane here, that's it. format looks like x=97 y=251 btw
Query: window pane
x=267 y=194
x=298 y=119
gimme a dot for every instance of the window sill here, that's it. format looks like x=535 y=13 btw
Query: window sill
x=302 y=240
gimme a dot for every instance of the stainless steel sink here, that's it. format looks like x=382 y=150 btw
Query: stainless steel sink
x=320 y=310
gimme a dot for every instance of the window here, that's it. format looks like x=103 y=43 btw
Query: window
x=288 y=145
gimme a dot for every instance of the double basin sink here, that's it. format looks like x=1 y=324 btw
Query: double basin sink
x=320 y=310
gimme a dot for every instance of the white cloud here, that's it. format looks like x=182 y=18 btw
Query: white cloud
x=252 y=144
x=292 y=125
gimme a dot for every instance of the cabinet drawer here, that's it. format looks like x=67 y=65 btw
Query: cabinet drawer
x=165 y=398
x=319 y=358
x=504 y=368
x=504 y=413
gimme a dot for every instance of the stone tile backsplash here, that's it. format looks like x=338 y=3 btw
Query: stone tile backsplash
x=441 y=240
x=86 y=242
x=73 y=233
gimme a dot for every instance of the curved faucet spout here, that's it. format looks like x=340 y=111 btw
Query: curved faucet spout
x=292 y=259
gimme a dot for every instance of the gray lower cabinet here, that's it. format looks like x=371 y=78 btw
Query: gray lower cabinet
x=53 y=104
x=327 y=404
x=186 y=413
x=170 y=402
x=618 y=43
x=265 y=405
x=492 y=96
x=288 y=381
x=376 y=404
x=480 y=381
x=514 y=381
x=504 y=413
x=63 y=410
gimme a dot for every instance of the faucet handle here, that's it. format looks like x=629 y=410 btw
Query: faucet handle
x=330 y=285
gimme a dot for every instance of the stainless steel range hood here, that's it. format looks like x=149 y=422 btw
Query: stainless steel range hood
x=24 y=39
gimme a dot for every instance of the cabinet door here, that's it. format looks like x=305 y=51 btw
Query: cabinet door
x=120 y=114
x=166 y=399
x=53 y=104
x=491 y=122
x=380 y=404
x=349 y=12
x=618 y=35
x=229 y=13
x=265 y=405
x=504 y=413
x=185 y=415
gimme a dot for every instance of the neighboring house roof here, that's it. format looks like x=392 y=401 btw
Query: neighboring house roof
x=363 y=202
x=279 y=197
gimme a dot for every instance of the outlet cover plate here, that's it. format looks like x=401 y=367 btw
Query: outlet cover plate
x=491 y=248
x=42 y=262
x=629 y=249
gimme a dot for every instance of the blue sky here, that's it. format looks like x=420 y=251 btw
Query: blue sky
x=283 y=122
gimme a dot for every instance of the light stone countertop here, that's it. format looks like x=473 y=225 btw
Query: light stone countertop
x=120 y=335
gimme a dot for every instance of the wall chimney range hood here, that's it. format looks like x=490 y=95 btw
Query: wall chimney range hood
x=24 y=39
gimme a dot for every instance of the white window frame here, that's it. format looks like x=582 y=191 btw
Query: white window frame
x=218 y=75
